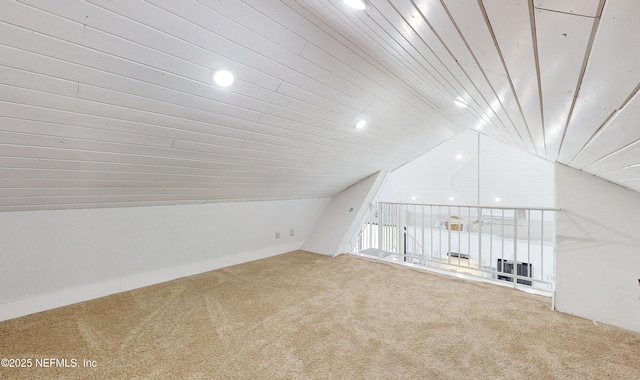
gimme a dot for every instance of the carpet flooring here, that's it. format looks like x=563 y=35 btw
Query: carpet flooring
x=306 y=316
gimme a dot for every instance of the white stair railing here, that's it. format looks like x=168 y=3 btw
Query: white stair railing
x=505 y=245
x=367 y=238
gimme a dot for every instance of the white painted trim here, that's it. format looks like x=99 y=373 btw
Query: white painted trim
x=88 y=292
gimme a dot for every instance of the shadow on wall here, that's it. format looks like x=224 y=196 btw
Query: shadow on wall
x=584 y=229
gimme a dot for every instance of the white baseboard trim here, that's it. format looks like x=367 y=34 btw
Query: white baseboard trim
x=91 y=291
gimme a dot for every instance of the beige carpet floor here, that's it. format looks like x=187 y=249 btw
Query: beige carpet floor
x=305 y=316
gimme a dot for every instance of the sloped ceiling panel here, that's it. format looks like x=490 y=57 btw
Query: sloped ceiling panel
x=610 y=80
x=563 y=43
x=110 y=103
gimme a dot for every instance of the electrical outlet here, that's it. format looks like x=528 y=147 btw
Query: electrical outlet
x=277 y=235
x=292 y=232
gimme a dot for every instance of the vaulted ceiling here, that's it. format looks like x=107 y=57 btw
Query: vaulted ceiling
x=111 y=103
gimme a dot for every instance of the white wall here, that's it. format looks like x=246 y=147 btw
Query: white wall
x=337 y=228
x=486 y=169
x=518 y=178
x=437 y=175
x=54 y=258
x=598 y=249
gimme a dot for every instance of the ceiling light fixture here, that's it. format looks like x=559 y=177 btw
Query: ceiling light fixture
x=223 y=77
x=356 y=4
x=498 y=199
x=361 y=123
x=451 y=199
x=459 y=156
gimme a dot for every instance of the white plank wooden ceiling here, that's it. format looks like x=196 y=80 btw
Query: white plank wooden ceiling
x=108 y=103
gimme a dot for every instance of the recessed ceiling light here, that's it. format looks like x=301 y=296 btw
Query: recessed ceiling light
x=356 y=4
x=361 y=123
x=223 y=77
x=498 y=199
x=451 y=199
x=460 y=103
x=413 y=198
x=459 y=156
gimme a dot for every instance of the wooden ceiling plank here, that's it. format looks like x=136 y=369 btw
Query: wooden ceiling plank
x=607 y=82
x=562 y=43
x=472 y=25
